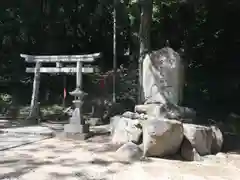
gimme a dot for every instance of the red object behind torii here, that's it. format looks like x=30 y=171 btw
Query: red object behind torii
x=102 y=83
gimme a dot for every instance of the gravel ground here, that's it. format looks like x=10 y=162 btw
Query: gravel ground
x=55 y=159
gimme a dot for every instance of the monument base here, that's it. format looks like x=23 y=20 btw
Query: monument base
x=76 y=128
x=74 y=136
x=76 y=132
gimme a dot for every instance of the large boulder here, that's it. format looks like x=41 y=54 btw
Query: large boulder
x=154 y=110
x=128 y=152
x=183 y=114
x=163 y=77
x=217 y=140
x=125 y=130
x=131 y=115
x=161 y=137
x=188 y=152
x=200 y=137
x=135 y=115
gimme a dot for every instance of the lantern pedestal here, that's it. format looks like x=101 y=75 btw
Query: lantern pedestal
x=77 y=126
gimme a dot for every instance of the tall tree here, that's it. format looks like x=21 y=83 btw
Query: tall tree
x=144 y=37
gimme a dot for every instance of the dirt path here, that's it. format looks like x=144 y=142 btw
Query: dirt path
x=57 y=159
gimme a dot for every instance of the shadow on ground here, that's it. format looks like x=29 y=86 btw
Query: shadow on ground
x=60 y=159
x=91 y=159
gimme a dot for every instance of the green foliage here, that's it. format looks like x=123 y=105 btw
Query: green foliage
x=206 y=30
x=126 y=84
x=5 y=101
x=6 y=98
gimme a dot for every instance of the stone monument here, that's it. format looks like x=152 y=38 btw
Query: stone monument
x=163 y=77
x=163 y=85
x=161 y=127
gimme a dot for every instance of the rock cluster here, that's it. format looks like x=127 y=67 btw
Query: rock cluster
x=141 y=135
x=159 y=125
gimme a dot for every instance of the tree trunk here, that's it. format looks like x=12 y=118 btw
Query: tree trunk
x=114 y=49
x=144 y=38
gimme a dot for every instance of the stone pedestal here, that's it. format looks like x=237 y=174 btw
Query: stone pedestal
x=77 y=129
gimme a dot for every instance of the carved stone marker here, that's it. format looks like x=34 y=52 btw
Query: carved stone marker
x=163 y=84
x=163 y=77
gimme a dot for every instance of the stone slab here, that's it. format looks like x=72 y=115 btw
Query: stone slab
x=54 y=126
x=74 y=136
x=31 y=130
x=4 y=123
x=76 y=128
x=12 y=140
x=93 y=131
x=59 y=127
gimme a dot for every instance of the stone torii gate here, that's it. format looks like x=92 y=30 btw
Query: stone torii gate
x=77 y=123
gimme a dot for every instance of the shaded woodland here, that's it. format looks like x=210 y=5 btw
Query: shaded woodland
x=206 y=32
